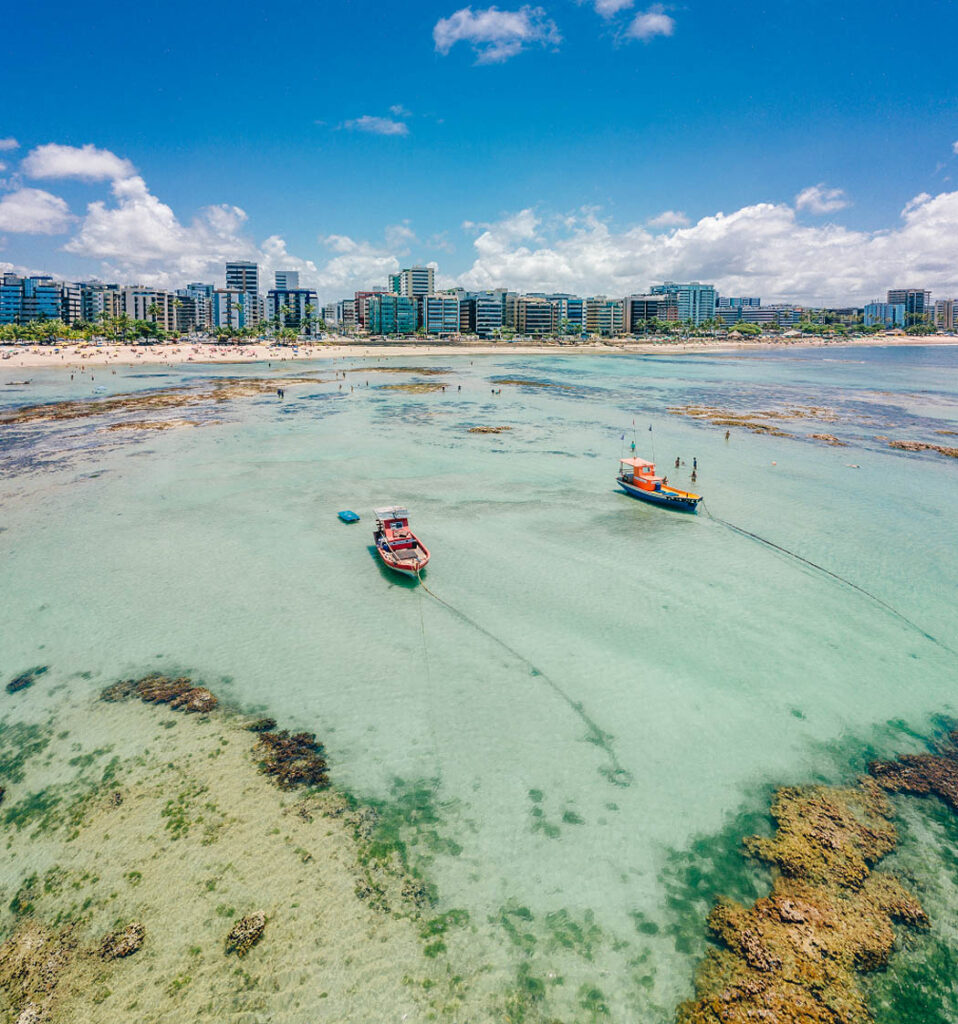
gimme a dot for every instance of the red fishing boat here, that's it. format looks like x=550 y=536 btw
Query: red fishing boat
x=637 y=478
x=399 y=548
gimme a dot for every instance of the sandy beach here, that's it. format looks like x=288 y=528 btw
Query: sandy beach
x=118 y=355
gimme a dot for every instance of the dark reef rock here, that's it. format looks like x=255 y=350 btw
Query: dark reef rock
x=794 y=956
x=26 y=679
x=122 y=943
x=179 y=693
x=246 y=933
x=923 y=774
x=262 y=725
x=292 y=759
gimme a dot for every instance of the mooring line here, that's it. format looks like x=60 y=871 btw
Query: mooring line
x=834 y=575
x=615 y=773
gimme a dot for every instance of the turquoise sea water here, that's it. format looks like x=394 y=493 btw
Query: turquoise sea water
x=717 y=668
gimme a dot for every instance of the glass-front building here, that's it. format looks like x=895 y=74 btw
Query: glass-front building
x=887 y=314
x=391 y=314
x=695 y=301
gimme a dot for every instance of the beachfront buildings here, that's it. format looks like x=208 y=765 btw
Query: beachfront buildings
x=360 y=304
x=286 y=280
x=605 y=317
x=28 y=298
x=641 y=309
x=917 y=303
x=480 y=314
x=232 y=308
x=783 y=314
x=946 y=314
x=242 y=276
x=413 y=281
x=388 y=313
x=439 y=314
x=885 y=314
x=695 y=301
x=294 y=308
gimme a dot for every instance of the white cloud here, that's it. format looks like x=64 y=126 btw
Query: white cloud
x=820 y=199
x=495 y=35
x=648 y=24
x=610 y=8
x=85 y=162
x=33 y=211
x=3 y=166
x=668 y=219
x=9 y=143
x=398 y=110
x=356 y=265
x=954 y=147
x=761 y=249
x=377 y=125
x=141 y=239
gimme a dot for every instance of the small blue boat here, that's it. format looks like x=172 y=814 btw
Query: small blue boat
x=348 y=517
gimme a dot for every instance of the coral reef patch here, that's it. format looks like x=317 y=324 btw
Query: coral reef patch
x=795 y=956
x=292 y=759
x=488 y=430
x=179 y=693
x=247 y=931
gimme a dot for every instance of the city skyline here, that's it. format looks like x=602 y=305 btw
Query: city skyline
x=588 y=147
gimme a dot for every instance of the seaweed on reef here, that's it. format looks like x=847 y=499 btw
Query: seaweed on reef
x=25 y=680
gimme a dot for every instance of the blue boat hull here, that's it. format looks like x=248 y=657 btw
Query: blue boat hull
x=664 y=499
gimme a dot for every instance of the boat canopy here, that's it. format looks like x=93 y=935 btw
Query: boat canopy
x=640 y=464
x=391 y=512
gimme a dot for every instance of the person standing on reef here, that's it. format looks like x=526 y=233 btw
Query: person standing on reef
x=695 y=464
x=728 y=434
x=676 y=463
x=693 y=476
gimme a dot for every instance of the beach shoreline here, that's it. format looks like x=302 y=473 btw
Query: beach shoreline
x=73 y=355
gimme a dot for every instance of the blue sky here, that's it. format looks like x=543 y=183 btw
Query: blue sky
x=354 y=136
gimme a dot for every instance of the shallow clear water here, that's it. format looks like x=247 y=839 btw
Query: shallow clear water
x=718 y=667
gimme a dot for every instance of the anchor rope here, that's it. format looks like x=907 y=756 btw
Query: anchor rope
x=828 y=572
x=615 y=773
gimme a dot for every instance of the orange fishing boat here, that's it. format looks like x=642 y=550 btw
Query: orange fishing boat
x=398 y=547
x=637 y=478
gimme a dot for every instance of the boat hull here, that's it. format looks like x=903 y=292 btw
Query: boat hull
x=405 y=567
x=663 y=498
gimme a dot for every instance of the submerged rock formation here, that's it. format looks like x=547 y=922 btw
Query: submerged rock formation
x=179 y=693
x=292 y=759
x=924 y=446
x=26 y=679
x=246 y=933
x=488 y=430
x=795 y=955
x=923 y=774
x=122 y=943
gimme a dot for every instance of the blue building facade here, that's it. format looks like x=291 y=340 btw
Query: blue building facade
x=886 y=314
x=23 y=299
x=392 y=314
x=695 y=301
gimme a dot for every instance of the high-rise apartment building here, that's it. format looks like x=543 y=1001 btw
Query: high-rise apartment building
x=296 y=308
x=735 y=302
x=388 y=313
x=917 y=303
x=242 y=276
x=286 y=280
x=605 y=316
x=480 y=314
x=696 y=301
x=233 y=308
x=439 y=314
x=360 y=304
x=783 y=314
x=535 y=317
x=946 y=314
x=639 y=309
x=886 y=314
x=413 y=281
